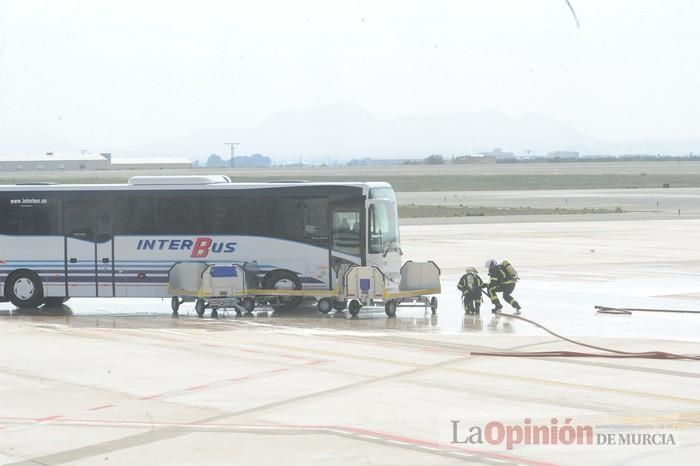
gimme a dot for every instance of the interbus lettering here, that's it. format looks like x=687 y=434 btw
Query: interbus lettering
x=199 y=247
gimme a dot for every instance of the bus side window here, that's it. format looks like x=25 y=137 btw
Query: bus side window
x=229 y=216
x=183 y=215
x=80 y=220
x=136 y=215
x=315 y=221
x=30 y=219
x=346 y=232
x=11 y=216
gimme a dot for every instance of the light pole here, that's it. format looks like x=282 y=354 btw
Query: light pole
x=232 y=149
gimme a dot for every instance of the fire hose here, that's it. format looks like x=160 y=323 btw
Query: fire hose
x=604 y=352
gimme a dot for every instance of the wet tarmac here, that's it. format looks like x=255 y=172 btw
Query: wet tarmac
x=565 y=269
x=122 y=382
x=547 y=302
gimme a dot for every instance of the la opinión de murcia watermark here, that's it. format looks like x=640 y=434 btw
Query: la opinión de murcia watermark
x=555 y=433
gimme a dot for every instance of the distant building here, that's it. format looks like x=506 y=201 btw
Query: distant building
x=382 y=162
x=51 y=161
x=150 y=163
x=499 y=154
x=54 y=162
x=475 y=159
x=563 y=154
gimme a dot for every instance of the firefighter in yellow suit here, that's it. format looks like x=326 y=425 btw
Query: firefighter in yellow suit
x=502 y=280
x=470 y=285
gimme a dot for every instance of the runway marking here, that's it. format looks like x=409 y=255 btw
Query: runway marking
x=379 y=437
x=48 y=418
x=576 y=386
x=534 y=380
x=197 y=387
x=97 y=408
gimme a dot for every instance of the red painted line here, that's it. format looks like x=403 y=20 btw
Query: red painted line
x=96 y=408
x=212 y=345
x=240 y=379
x=279 y=370
x=198 y=387
x=50 y=418
x=150 y=397
x=290 y=356
x=316 y=362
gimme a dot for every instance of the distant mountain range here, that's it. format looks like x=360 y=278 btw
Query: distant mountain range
x=345 y=131
x=348 y=131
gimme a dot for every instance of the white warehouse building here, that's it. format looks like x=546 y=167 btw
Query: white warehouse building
x=51 y=161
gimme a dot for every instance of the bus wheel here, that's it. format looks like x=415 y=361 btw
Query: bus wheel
x=433 y=304
x=340 y=305
x=24 y=288
x=324 y=305
x=390 y=308
x=354 y=307
x=199 y=307
x=175 y=303
x=248 y=304
x=55 y=302
x=283 y=280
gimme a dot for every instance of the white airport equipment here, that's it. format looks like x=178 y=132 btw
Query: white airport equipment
x=210 y=286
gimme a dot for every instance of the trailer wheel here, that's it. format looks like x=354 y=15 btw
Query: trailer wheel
x=390 y=308
x=340 y=305
x=214 y=314
x=354 y=307
x=433 y=304
x=175 y=303
x=324 y=305
x=24 y=288
x=283 y=280
x=55 y=302
x=249 y=304
x=199 y=307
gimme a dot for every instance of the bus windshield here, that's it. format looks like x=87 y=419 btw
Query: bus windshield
x=383 y=227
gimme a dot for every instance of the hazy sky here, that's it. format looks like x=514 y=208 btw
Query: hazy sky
x=116 y=73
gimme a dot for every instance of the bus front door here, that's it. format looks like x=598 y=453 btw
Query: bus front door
x=346 y=239
x=89 y=248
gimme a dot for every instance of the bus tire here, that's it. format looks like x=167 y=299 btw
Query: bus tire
x=199 y=307
x=248 y=304
x=433 y=304
x=324 y=305
x=271 y=282
x=340 y=305
x=55 y=302
x=354 y=307
x=24 y=288
x=390 y=308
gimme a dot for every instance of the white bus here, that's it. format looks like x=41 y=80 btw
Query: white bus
x=64 y=241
